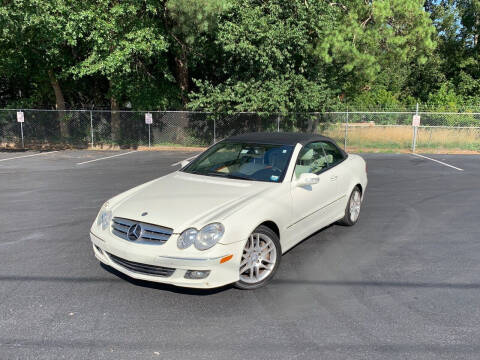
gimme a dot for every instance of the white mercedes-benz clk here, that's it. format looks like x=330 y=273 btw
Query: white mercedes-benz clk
x=229 y=215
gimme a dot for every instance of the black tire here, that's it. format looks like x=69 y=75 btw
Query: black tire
x=347 y=219
x=266 y=231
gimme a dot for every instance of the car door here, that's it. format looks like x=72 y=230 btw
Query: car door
x=312 y=204
x=338 y=174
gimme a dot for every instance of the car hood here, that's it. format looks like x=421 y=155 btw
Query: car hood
x=181 y=200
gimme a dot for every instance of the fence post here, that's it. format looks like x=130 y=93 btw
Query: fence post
x=21 y=130
x=346 y=132
x=278 y=123
x=214 y=131
x=415 y=128
x=91 y=126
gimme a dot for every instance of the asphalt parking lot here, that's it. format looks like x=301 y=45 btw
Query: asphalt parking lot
x=402 y=283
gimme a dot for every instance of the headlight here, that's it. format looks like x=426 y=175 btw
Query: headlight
x=209 y=236
x=204 y=239
x=187 y=238
x=104 y=217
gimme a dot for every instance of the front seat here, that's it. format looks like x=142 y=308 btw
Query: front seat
x=276 y=158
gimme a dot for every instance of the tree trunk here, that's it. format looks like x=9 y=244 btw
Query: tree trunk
x=182 y=74
x=182 y=79
x=477 y=29
x=313 y=123
x=59 y=105
x=115 y=120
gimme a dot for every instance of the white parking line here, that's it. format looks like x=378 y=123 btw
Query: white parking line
x=106 y=157
x=24 y=156
x=438 y=161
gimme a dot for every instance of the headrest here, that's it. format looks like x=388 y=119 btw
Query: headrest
x=308 y=155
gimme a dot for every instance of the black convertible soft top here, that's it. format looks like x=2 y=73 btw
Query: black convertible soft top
x=278 y=138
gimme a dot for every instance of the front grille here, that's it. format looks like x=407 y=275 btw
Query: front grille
x=142 y=268
x=148 y=233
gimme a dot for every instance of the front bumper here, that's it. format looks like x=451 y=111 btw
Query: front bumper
x=220 y=273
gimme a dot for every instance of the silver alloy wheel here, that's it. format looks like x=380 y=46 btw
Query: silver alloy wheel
x=258 y=259
x=355 y=202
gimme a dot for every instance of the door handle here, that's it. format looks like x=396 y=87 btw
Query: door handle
x=333 y=177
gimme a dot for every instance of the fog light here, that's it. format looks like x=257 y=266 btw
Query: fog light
x=197 y=274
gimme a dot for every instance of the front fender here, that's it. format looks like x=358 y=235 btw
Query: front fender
x=360 y=175
x=274 y=206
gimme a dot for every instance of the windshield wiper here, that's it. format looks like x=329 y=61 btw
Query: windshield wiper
x=231 y=176
x=224 y=175
x=215 y=173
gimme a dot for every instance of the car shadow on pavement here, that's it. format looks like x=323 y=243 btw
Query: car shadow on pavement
x=366 y=283
x=164 y=287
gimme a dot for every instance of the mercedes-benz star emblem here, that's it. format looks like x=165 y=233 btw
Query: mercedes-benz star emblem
x=134 y=232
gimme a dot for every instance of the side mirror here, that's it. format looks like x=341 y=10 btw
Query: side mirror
x=307 y=179
x=184 y=163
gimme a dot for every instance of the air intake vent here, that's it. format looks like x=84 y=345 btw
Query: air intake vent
x=142 y=268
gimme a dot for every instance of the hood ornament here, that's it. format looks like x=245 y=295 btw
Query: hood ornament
x=134 y=232
x=145 y=213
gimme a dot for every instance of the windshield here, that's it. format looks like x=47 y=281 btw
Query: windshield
x=260 y=162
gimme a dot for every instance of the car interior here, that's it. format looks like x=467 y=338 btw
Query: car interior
x=268 y=163
x=258 y=162
x=312 y=160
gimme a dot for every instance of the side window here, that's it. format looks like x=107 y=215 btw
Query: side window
x=311 y=159
x=333 y=154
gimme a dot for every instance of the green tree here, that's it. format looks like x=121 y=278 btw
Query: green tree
x=190 y=25
x=122 y=41
x=237 y=55
x=33 y=41
x=374 y=37
x=470 y=15
x=445 y=99
x=467 y=75
x=265 y=59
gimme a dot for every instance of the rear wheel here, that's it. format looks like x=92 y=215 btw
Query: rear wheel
x=260 y=258
x=352 y=212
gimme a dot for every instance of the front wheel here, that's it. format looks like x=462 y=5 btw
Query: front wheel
x=260 y=258
x=352 y=212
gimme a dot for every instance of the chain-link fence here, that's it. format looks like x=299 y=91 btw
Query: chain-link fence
x=356 y=131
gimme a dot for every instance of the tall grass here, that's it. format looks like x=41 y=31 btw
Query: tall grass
x=399 y=137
